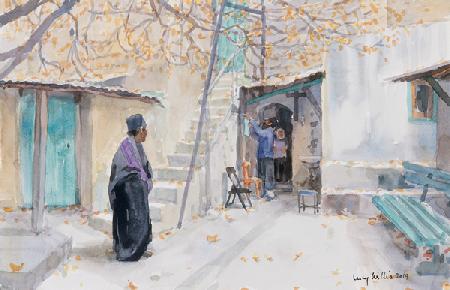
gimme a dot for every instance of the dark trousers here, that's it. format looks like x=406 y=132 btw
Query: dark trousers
x=265 y=173
x=280 y=169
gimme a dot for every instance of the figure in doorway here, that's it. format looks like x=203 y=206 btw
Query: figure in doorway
x=280 y=154
x=129 y=186
x=265 y=137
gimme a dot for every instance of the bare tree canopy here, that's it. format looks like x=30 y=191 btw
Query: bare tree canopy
x=94 y=40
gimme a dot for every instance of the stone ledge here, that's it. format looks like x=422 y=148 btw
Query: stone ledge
x=40 y=254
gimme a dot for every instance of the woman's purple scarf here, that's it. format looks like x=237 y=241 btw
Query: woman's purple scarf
x=132 y=161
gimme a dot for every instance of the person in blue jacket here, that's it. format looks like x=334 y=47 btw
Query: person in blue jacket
x=265 y=137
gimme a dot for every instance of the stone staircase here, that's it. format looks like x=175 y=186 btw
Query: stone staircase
x=169 y=181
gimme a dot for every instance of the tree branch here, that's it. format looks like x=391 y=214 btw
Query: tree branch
x=19 y=11
x=22 y=51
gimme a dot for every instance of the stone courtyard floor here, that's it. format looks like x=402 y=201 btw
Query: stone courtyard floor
x=272 y=247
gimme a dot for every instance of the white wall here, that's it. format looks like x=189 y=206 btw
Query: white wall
x=366 y=114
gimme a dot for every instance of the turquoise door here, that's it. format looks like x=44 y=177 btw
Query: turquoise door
x=60 y=165
x=27 y=106
x=228 y=44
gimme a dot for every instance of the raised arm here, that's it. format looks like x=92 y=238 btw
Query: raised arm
x=255 y=127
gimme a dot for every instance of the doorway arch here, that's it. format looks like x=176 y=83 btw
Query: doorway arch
x=283 y=116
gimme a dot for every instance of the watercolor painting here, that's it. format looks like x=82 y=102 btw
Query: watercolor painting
x=225 y=144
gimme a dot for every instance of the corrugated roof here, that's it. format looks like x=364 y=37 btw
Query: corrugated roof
x=108 y=91
x=439 y=71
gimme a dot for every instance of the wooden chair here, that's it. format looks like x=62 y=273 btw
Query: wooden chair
x=237 y=189
x=248 y=180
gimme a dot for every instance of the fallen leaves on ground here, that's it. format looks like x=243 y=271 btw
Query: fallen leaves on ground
x=336 y=272
x=212 y=238
x=342 y=217
x=131 y=286
x=372 y=221
x=324 y=226
x=8 y=209
x=245 y=288
x=269 y=258
x=255 y=258
x=83 y=221
x=298 y=256
x=2 y=218
x=66 y=222
x=296 y=288
x=78 y=258
x=194 y=217
x=228 y=218
x=407 y=288
x=164 y=235
x=446 y=285
x=244 y=259
x=16 y=267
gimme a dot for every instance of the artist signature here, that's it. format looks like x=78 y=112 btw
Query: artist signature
x=374 y=276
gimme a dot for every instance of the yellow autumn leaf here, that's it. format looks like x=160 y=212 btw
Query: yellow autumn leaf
x=8 y=209
x=78 y=258
x=16 y=267
x=244 y=259
x=132 y=286
x=228 y=218
x=255 y=258
x=66 y=222
x=298 y=256
x=212 y=238
x=336 y=272
x=446 y=285
x=269 y=258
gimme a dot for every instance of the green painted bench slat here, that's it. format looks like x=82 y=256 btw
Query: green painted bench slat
x=423 y=227
x=392 y=215
x=426 y=236
x=422 y=180
x=425 y=170
x=425 y=219
x=443 y=223
x=417 y=174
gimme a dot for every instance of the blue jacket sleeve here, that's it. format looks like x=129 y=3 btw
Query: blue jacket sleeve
x=256 y=128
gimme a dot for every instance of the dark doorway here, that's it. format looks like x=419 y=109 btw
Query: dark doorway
x=282 y=116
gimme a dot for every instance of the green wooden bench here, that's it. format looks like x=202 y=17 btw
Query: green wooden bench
x=429 y=231
x=427 y=177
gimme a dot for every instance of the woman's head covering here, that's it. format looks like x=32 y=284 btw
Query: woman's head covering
x=135 y=122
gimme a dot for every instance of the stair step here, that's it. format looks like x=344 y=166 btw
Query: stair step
x=171 y=173
x=181 y=160
x=223 y=101
x=190 y=136
x=156 y=211
x=164 y=193
x=187 y=148
x=214 y=110
x=213 y=122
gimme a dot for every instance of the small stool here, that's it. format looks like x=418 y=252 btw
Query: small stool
x=301 y=199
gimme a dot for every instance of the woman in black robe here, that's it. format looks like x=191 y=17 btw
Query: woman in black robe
x=130 y=184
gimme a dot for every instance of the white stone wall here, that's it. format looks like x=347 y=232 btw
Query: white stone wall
x=365 y=114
